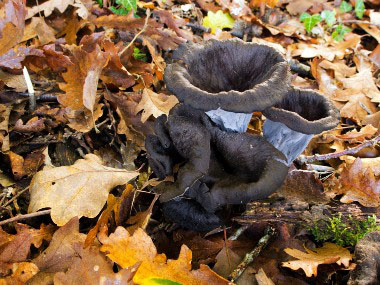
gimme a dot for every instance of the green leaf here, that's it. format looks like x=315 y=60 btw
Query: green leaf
x=128 y=4
x=329 y=17
x=310 y=21
x=339 y=33
x=137 y=54
x=345 y=7
x=359 y=8
x=218 y=20
x=159 y=281
x=100 y=2
x=119 y=11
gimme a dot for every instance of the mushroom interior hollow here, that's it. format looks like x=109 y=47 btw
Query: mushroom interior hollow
x=226 y=66
x=307 y=105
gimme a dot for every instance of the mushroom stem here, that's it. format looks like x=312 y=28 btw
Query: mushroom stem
x=230 y=121
x=286 y=140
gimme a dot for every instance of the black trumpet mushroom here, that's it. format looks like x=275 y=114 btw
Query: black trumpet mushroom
x=291 y=124
x=220 y=84
x=228 y=79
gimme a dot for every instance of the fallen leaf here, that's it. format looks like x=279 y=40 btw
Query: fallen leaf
x=61 y=252
x=22 y=272
x=48 y=7
x=328 y=254
x=16 y=250
x=77 y=190
x=82 y=78
x=92 y=267
x=15 y=81
x=34 y=125
x=38 y=28
x=141 y=219
x=357 y=183
x=13 y=24
x=365 y=132
x=56 y=60
x=218 y=21
x=258 y=3
x=127 y=250
x=174 y=23
x=17 y=165
x=262 y=278
x=155 y=104
x=13 y=58
x=5 y=111
x=38 y=235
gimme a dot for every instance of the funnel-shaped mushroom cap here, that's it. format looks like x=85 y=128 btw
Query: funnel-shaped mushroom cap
x=232 y=75
x=304 y=111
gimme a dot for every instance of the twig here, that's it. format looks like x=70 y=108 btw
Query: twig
x=360 y=22
x=238 y=233
x=138 y=34
x=16 y=196
x=24 y=217
x=269 y=232
x=352 y=150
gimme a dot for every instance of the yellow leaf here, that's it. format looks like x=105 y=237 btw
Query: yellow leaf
x=218 y=20
x=127 y=250
x=258 y=3
x=309 y=260
x=79 y=190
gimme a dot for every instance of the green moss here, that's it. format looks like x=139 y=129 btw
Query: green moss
x=344 y=233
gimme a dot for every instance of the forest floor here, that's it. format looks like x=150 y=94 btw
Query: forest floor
x=81 y=83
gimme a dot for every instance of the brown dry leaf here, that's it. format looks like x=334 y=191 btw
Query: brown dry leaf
x=34 y=125
x=13 y=58
x=114 y=72
x=259 y=3
x=340 y=68
x=15 y=81
x=77 y=190
x=155 y=104
x=367 y=163
x=375 y=56
x=127 y=250
x=82 y=78
x=328 y=254
x=111 y=204
x=372 y=30
x=5 y=111
x=373 y=119
x=92 y=267
x=128 y=22
x=38 y=28
x=38 y=236
x=141 y=219
x=82 y=120
x=357 y=183
x=366 y=132
x=12 y=25
x=17 y=165
x=61 y=253
x=22 y=272
x=17 y=249
x=296 y=7
x=262 y=278
x=48 y=7
x=56 y=60
x=174 y=23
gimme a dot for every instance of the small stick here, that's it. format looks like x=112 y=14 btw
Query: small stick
x=16 y=196
x=32 y=96
x=24 y=217
x=352 y=150
x=138 y=34
x=269 y=232
x=238 y=233
x=360 y=23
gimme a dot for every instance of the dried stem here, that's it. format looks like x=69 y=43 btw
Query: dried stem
x=138 y=34
x=269 y=232
x=360 y=23
x=352 y=150
x=24 y=217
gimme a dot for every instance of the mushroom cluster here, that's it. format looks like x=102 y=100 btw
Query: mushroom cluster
x=220 y=84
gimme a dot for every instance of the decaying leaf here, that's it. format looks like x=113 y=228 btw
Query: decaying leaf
x=12 y=25
x=155 y=104
x=358 y=183
x=48 y=7
x=77 y=190
x=127 y=250
x=82 y=78
x=309 y=260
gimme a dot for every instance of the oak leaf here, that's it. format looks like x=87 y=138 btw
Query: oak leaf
x=155 y=104
x=79 y=190
x=61 y=251
x=13 y=24
x=127 y=250
x=328 y=254
x=358 y=182
x=82 y=78
x=48 y=7
x=38 y=28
